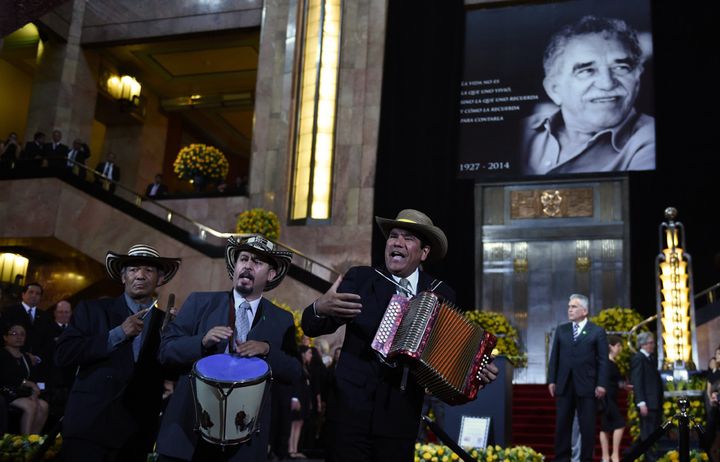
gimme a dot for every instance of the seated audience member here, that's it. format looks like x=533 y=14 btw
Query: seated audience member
x=17 y=389
x=156 y=188
x=34 y=152
x=55 y=151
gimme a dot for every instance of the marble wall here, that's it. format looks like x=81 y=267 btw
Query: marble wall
x=346 y=239
x=50 y=208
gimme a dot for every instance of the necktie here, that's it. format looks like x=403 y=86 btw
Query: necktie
x=137 y=341
x=406 y=286
x=108 y=170
x=242 y=326
x=576 y=330
x=30 y=315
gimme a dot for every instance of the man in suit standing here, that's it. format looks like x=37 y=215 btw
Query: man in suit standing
x=55 y=151
x=37 y=324
x=156 y=188
x=369 y=417
x=647 y=387
x=113 y=408
x=577 y=375
x=260 y=329
x=108 y=171
x=78 y=154
x=34 y=152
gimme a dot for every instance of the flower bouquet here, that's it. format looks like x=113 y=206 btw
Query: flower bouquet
x=439 y=453
x=199 y=163
x=259 y=221
x=508 y=343
x=20 y=448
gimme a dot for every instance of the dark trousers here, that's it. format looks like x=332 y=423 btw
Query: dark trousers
x=648 y=425
x=352 y=445
x=567 y=405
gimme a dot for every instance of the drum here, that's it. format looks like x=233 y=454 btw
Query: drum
x=229 y=393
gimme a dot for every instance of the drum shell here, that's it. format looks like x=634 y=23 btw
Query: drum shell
x=228 y=411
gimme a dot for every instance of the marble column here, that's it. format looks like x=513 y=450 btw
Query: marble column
x=64 y=88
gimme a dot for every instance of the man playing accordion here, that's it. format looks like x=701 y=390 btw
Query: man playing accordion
x=370 y=418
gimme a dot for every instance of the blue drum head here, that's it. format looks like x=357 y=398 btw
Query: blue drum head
x=229 y=368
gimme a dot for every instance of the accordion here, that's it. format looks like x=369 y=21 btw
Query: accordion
x=444 y=350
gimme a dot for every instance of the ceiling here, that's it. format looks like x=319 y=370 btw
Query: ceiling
x=209 y=80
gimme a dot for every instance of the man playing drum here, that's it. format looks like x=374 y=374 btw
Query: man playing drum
x=240 y=322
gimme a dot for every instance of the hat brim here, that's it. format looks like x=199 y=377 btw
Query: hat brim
x=114 y=263
x=280 y=259
x=431 y=235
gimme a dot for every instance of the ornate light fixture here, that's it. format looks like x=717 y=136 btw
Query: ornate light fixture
x=125 y=89
x=13 y=268
x=315 y=113
x=675 y=306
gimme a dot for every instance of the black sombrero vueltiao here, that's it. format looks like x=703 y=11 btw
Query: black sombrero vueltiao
x=279 y=259
x=141 y=253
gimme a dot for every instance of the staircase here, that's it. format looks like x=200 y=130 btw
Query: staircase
x=533 y=420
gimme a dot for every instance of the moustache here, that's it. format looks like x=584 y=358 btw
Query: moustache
x=246 y=274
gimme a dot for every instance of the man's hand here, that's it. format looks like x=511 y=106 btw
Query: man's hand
x=216 y=335
x=252 y=348
x=487 y=374
x=643 y=410
x=551 y=389
x=34 y=360
x=599 y=392
x=338 y=305
x=714 y=398
x=133 y=324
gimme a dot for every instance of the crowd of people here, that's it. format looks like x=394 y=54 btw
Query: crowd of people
x=585 y=380
x=40 y=153
x=33 y=389
x=123 y=374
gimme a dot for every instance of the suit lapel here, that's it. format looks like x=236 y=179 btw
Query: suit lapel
x=260 y=315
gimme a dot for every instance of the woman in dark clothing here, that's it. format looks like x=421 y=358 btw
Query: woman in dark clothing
x=612 y=423
x=301 y=406
x=18 y=390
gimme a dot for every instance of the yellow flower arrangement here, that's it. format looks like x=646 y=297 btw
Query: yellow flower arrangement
x=297 y=317
x=618 y=319
x=674 y=456
x=259 y=221
x=508 y=339
x=439 y=453
x=19 y=448
x=200 y=160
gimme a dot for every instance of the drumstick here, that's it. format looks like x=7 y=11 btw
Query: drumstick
x=168 y=311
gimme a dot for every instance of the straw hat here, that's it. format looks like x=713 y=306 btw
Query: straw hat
x=420 y=224
x=279 y=259
x=141 y=253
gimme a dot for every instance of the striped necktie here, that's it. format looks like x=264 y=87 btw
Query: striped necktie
x=242 y=325
x=576 y=331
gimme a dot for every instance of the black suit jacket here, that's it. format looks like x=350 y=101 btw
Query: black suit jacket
x=162 y=190
x=115 y=171
x=33 y=150
x=366 y=394
x=181 y=347
x=113 y=396
x=582 y=364
x=646 y=381
x=56 y=155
